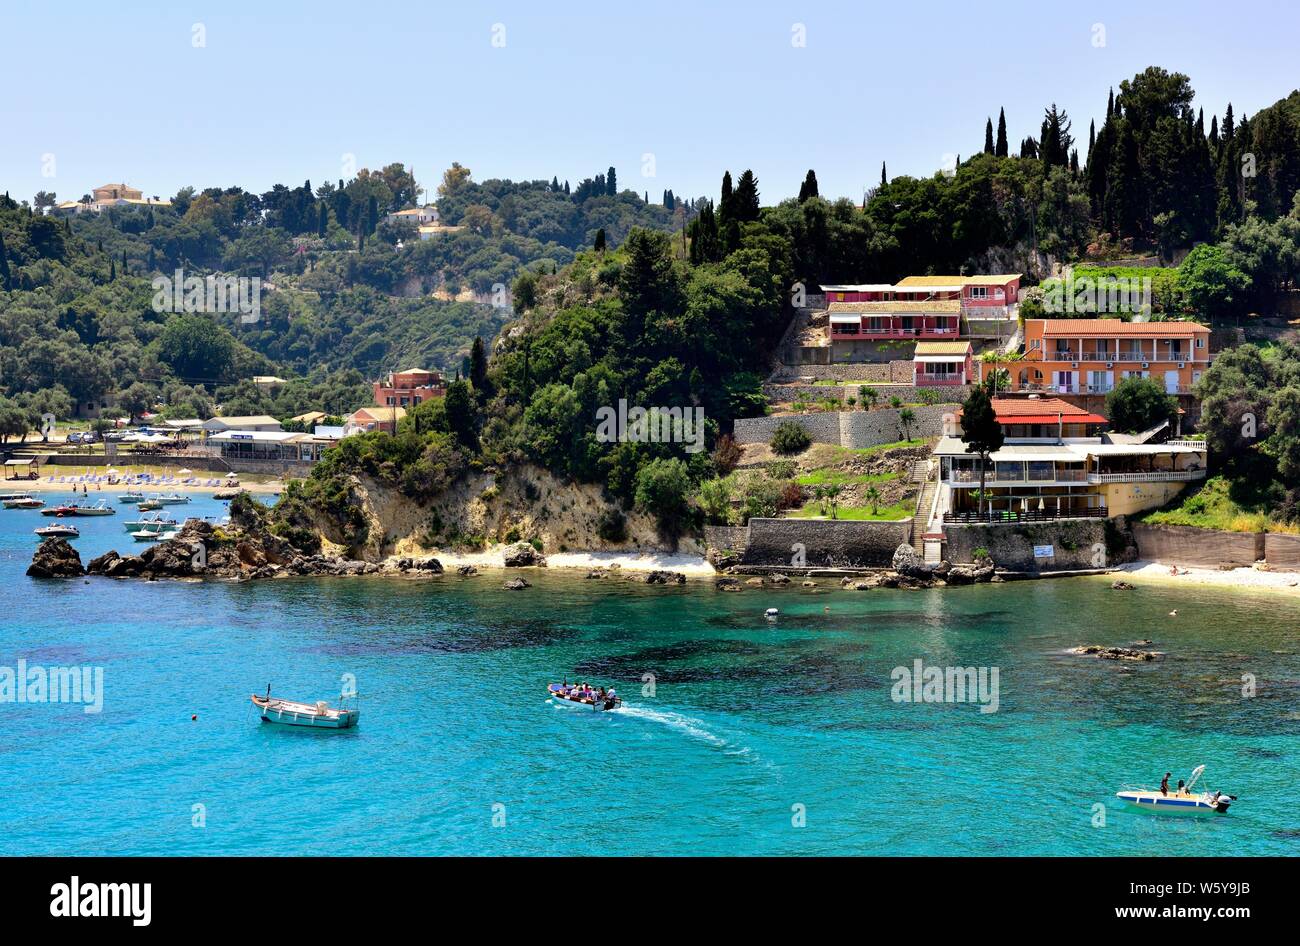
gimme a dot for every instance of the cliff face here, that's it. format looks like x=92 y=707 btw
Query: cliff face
x=483 y=509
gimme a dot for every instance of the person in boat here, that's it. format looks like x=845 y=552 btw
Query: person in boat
x=1164 y=784
x=602 y=693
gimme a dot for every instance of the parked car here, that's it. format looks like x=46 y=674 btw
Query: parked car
x=73 y=438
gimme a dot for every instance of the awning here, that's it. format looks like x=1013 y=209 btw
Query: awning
x=940 y=359
x=28 y=462
x=1050 y=419
x=845 y=319
x=1030 y=454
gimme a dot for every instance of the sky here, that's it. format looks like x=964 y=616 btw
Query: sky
x=161 y=95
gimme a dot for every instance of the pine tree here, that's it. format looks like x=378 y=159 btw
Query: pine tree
x=988 y=136
x=1001 y=148
x=746 y=198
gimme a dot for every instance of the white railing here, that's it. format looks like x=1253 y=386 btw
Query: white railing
x=1168 y=476
x=1198 y=444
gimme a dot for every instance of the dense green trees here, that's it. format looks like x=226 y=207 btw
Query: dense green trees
x=1138 y=404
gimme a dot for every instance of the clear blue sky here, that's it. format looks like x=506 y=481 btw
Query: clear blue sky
x=282 y=90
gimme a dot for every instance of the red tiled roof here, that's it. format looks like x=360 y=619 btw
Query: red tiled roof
x=1087 y=328
x=1050 y=419
x=1018 y=406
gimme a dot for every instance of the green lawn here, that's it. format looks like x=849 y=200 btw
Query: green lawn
x=901 y=510
x=840 y=478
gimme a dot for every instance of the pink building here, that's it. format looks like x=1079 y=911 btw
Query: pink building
x=942 y=363
x=408 y=388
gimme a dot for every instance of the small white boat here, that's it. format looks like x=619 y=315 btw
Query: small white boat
x=101 y=508
x=771 y=613
x=131 y=497
x=60 y=531
x=21 y=501
x=150 y=523
x=173 y=499
x=147 y=505
x=147 y=535
x=318 y=715
x=567 y=695
x=1178 y=802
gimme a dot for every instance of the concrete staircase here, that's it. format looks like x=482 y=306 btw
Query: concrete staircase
x=925 y=500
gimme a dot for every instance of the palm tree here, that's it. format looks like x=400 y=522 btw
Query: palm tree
x=868 y=395
x=833 y=493
x=873 y=497
x=905 y=417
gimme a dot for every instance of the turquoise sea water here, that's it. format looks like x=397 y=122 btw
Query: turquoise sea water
x=753 y=727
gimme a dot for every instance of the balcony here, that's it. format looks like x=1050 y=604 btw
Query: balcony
x=869 y=334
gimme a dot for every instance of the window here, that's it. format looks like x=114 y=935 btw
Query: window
x=979 y=292
x=1200 y=343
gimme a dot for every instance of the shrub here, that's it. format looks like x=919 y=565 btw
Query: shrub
x=612 y=525
x=781 y=469
x=791 y=496
x=726 y=454
x=980 y=554
x=790 y=438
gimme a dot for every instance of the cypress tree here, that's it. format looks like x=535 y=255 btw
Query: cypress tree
x=1001 y=148
x=1092 y=137
x=809 y=186
x=745 y=200
x=4 y=264
x=884 y=178
x=611 y=182
x=724 y=203
x=988 y=136
x=599 y=245
x=322 y=219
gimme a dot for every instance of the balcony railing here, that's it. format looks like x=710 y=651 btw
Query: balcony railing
x=870 y=333
x=1011 y=517
x=1159 y=476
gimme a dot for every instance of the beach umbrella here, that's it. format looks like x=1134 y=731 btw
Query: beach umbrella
x=114 y=470
x=184 y=470
x=232 y=476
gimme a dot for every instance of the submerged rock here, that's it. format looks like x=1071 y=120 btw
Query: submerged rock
x=1114 y=653
x=56 y=558
x=516 y=584
x=1120 y=584
x=464 y=571
x=727 y=584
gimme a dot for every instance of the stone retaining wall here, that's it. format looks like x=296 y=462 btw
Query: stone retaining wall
x=1076 y=543
x=855 y=429
x=825 y=543
x=1184 y=545
x=735 y=538
x=1282 y=551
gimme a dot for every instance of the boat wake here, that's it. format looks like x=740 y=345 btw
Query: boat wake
x=693 y=728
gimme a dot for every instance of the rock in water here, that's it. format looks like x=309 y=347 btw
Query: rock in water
x=907 y=563
x=516 y=584
x=1120 y=584
x=465 y=571
x=521 y=555
x=658 y=577
x=56 y=558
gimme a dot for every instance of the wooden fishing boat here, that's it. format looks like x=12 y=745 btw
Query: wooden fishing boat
x=318 y=715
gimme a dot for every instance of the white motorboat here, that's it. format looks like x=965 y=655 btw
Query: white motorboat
x=21 y=501
x=154 y=523
x=101 y=508
x=131 y=497
x=60 y=531
x=173 y=499
x=1183 y=801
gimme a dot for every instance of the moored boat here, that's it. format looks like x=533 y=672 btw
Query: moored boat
x=173 y=499
x=318 y=715
x=101 y=508
x=21 y=501
x=148 y=505
x=131 y=497
x=150 y=523
x=573 y=695
x=59 y=531
x=63 y=509
x=1182 y=801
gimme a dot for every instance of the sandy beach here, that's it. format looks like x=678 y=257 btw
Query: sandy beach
x=253 y=483
x=1244 y=579
x=693 y=566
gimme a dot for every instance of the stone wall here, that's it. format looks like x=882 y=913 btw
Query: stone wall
x=1184 y=545
x=1282 y=551
x=880 y=373
x=1075 y=542
x=826 y=543
x=735 y=538
x=855 y=429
